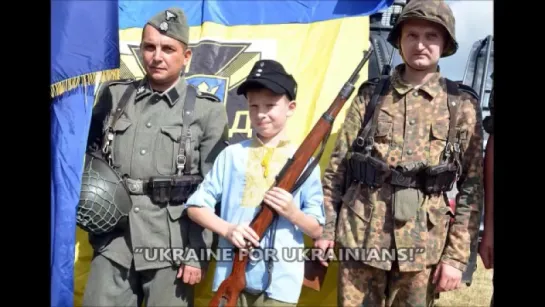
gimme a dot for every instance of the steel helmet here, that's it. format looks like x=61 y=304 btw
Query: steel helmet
x=436 y=11
x=105 y=201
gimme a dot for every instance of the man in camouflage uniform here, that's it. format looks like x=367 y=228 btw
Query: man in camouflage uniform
x=146 y=143
x=410 y=127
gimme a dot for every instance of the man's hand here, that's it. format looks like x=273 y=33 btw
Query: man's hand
x=281 y=201
x=486 y=248
x=190 y=275
x=446 y=278
x=238 y=235
x=324 y=245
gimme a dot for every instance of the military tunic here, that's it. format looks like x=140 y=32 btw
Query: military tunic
x=146 y=143
x=412 y=126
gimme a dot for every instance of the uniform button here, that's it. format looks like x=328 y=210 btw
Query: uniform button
x=148 y=125
x=136 y=209
x=415 y=93
x=412 y=121
x=409 y=152
x=143 y=152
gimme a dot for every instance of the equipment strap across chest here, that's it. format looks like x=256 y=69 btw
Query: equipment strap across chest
x=183 y=160
x=365 y=168
x=122 y=104
x=453 y=105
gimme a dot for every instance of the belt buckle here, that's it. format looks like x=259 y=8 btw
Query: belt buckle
x=399 y=179
x=134 y=186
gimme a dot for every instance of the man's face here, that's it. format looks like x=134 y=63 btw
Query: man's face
x=164 y=57
x=422 y=43
x=268 y=111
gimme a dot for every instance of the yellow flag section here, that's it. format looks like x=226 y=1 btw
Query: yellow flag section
x=321 y=56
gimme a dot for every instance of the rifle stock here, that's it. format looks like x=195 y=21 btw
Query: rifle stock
x=229 y=290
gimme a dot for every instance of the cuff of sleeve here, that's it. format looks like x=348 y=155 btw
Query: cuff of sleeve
x=454 y=263
x=200 y=263
x=328 y=236
x=319 y=219
x=201 y=199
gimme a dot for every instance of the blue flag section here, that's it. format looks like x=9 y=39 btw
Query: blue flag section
x=249 y=12
x=84 y=50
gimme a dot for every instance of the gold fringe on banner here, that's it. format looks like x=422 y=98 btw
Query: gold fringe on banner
x=88 y=79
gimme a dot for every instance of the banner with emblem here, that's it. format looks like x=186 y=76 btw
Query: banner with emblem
x=319 y=42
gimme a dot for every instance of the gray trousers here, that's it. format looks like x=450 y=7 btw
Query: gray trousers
x=110 y=284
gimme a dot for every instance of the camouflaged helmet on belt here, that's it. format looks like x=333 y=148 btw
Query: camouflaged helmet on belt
x=436 y=11
x=105 y=201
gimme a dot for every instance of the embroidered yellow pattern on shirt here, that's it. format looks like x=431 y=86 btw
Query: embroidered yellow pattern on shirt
x=264 y=163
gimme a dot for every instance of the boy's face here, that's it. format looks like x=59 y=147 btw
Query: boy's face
x=268 y=111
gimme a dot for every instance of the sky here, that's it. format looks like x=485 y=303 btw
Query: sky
x=474 y=21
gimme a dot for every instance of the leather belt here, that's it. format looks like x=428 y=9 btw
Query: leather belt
x=397 y=178
x=136 y=186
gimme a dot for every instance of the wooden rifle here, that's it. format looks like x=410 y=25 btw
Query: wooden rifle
x=230 y=289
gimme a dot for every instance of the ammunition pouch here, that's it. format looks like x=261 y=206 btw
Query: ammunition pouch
x=367 y=170
x=440 y=178
x=173 y=190
x=374 y=173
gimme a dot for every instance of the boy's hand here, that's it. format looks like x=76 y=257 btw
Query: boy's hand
x=238 y=234
x=281 y=201
x=324 y=245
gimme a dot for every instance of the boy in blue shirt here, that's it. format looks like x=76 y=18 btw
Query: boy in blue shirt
x=242 y=177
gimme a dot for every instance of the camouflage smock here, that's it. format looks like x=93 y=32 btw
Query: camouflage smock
x=412 y=126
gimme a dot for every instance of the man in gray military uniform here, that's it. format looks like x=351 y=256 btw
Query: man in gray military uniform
x=145 y=142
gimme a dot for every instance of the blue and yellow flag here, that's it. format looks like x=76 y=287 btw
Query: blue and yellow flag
x=84 y=50
x=319 y=42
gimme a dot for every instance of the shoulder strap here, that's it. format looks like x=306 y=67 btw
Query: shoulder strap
x=366 y=131
x=452 y=147
x=468 y=89
x=117 y=115
x=208 y=96
x=183 y=160
x=379 y=86
x=453 y=94
x=381 y=90
x=452 y=101
x=122 y=103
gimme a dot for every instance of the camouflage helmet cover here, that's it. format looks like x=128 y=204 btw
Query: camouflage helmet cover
x=436 y=11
